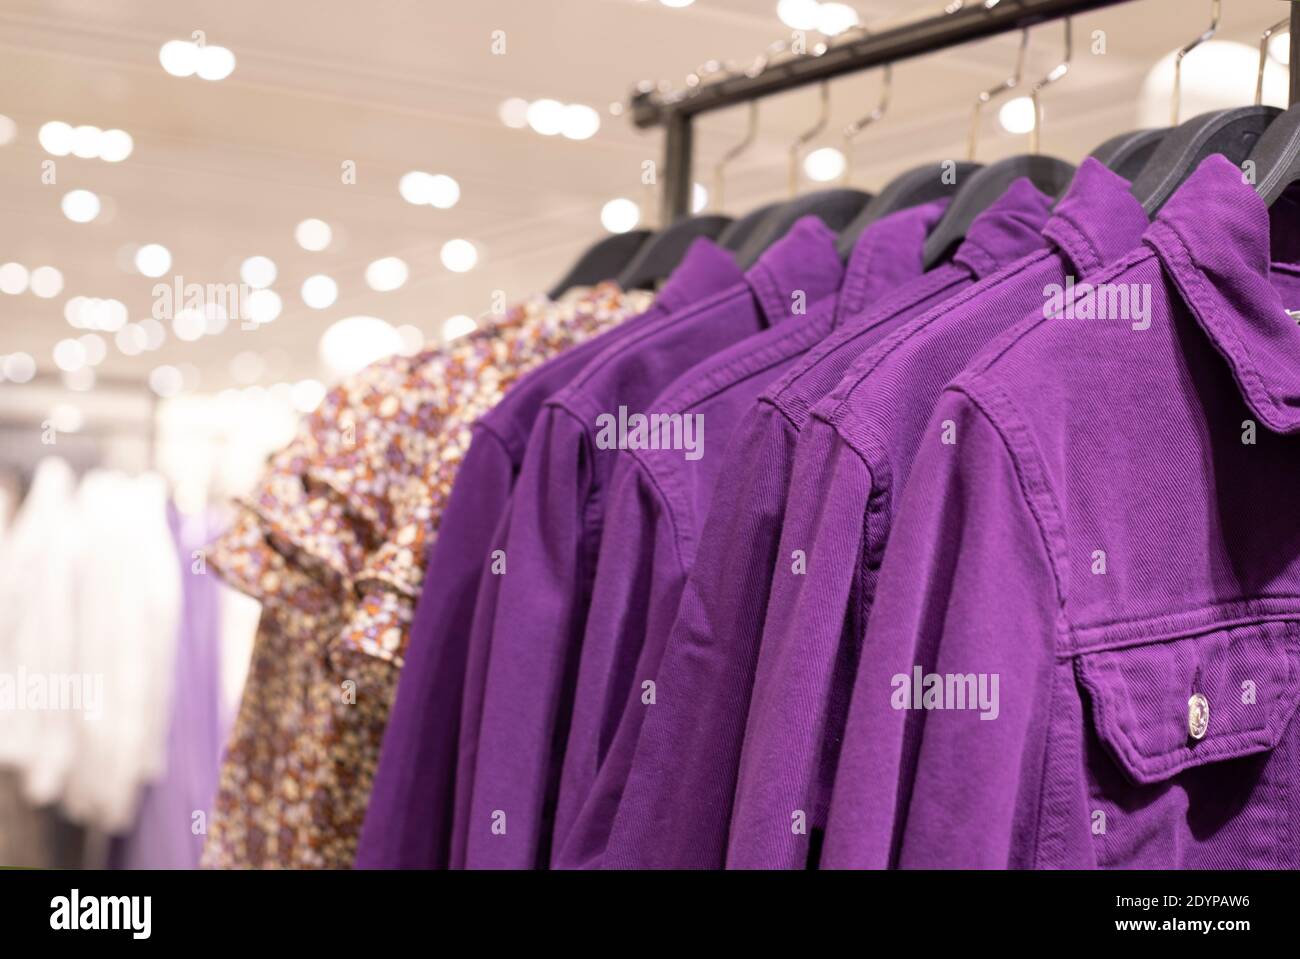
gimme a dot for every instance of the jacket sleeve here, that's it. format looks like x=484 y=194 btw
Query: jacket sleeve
x=539 y=618
x=966 y=614
x=408 y=821
x=638 y=584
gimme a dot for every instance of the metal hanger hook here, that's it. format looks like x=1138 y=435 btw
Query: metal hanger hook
x=1010 y=83
x=751 y=133
x=855 y=128
x=1283 y=25
x=1210 y=31
x=808 y=135
x=1056 y=73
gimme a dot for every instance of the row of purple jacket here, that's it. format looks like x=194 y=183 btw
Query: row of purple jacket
x=991 y=565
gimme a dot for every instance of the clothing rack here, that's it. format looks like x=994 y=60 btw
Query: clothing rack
x=962 y=21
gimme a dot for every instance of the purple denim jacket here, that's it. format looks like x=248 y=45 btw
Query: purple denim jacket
x=408 y=820
x=677 y=800
x=856 y=453
x=556 y=519
x=660 y=498
x=1100 y=528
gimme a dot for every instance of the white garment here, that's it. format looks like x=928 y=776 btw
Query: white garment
x=38 y=633
x=128 y=614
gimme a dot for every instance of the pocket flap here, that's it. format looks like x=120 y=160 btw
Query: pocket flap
x=1141 y=697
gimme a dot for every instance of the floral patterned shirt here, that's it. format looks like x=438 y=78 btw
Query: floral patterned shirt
x=333 y=543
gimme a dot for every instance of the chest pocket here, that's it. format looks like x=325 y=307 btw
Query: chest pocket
x=1191 y=751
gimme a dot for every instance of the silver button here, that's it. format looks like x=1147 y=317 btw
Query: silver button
x=1198 y=716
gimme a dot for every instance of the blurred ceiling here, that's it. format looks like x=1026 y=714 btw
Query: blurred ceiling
x=224 y=170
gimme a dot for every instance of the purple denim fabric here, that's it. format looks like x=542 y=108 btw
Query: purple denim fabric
x=1111 y=534
x=856 y=452
x=408 y=821
x=677 y=801
x=554 y=535
x=659 y=501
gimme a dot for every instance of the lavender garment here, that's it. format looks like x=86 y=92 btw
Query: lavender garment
x=553 y=538
x=1112 y=536
x=163 y=836
x=659 y=501
x=856 y=452
x=409 y=819
x=676 y=804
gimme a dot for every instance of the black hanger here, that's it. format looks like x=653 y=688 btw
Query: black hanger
x=1126 y=154
x=1277 y=156
x=984 y=187
x=1232 y=133
x=661 y=254
x=918 y=185
x=835 y=208
x=737 y=235
x=601 y=261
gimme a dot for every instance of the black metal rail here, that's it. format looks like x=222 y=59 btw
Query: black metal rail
x=960 y=23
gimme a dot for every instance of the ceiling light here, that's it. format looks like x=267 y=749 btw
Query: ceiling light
x=46 y=282
x=8 y=130
x=313 y=235
x=1017 y=115
x=153 y=259
x=319 y=291
x=412 y=339
x=13 y=278
x=414 y=187
x=94 y=346
x=386 y=274
x=459 y=256
x=258 y=271
x=835 y=18
x=66 y=418
x=247 y=367
x=85 y=141
x=214 y=318
x=824 y=164
x=154 y=334
x=115 y=146
x=307 y=395
x=55 y=137
x=263 y=306
x=19 y=367
x=189 y=324
x=69 y=355
x=130 y=340
x=620 y=215
x=580 y=122
x=798 y=14
x=74 y=311
x=180 y=58
x=676 y=3
x=80 y=206
x=444 y=192
x=546 y=116
x=699 y=197
x=456 y=326
x=514 y=113
x=1279 y=48
x=215 y=63
x=111 y=315
x=356 y=342
x=166 y=380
